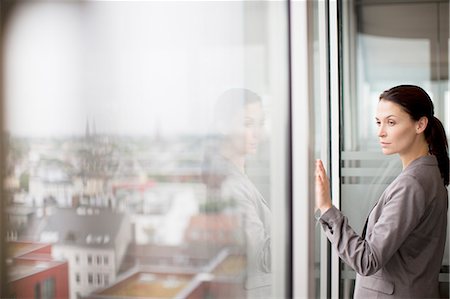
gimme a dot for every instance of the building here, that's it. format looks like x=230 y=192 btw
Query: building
x=34 y=273
x=92 y=240
x=221 y=277
x=19 y=217
x=52 y=178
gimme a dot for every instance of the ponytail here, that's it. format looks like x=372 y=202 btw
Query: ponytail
x=438 y=146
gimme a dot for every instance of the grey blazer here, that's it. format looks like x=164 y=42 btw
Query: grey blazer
x=402 y=251
x=257 y=216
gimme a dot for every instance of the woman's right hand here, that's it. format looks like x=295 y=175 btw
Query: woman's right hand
x=323 y=198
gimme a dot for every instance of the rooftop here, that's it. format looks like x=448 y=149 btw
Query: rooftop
x=214 y=222
x=224 y=276
x=83 y=226
x=232 y=266
x=149 y=285
x=19 y=210
x=20 y=268
x=16 y=249
x=193 y=251
x=28 y=258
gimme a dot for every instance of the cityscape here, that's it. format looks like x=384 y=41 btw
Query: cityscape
x=100 y=216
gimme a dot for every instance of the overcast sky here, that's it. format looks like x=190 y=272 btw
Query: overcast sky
x=131 y=66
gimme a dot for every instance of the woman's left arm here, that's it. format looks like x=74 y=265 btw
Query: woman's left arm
x=401 y=213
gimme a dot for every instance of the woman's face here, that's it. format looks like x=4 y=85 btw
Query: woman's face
x=396 y=129
x=247 y=129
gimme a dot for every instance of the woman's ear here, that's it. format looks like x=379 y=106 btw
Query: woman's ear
x=421 y=124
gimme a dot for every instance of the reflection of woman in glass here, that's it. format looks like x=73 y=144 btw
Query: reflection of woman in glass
x=238 y=121
x=400 y=252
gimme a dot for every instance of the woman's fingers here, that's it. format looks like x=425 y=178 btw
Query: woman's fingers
x=321 y=168
x=323 y=200
x=320 y=171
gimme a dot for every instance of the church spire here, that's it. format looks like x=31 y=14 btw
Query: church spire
x=87 y=131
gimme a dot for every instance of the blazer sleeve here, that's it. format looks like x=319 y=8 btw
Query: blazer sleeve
x=403 y=208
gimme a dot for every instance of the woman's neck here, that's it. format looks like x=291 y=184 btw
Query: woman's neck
x=233 y=157
x=407 y=158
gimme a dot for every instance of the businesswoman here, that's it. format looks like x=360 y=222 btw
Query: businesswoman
x=400 y=253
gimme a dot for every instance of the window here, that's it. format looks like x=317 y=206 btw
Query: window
x=48 y=288
x=37 y=291
x=146 y=125
x=77 y=277
x=99 y=279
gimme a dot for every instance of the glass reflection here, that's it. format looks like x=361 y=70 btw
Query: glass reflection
x=239 y=121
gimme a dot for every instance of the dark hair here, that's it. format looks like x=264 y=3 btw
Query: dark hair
x=417 y=103
x=228 y=105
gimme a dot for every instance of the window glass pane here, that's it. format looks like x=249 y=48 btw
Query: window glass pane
x=48 y=288
x=384 y=45
x=37 y=291
x=139 y=141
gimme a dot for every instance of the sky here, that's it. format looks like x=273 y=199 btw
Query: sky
x=131 y=67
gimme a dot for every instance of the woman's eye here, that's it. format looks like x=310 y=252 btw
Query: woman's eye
x=378 y=123
x=391 y=123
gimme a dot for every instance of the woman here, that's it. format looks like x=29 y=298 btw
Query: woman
x=400 y=252
x=239 y=120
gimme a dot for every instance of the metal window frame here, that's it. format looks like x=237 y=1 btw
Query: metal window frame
x=324 y=97
x=280 y=172
x=302 y=134
x=334 y=130
x=303 y=141
x=6 y=10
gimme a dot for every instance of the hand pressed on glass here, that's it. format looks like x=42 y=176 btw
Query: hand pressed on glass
x=323 y=199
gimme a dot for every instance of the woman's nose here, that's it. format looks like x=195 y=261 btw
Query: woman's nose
x=381 y=131
x=256 y=132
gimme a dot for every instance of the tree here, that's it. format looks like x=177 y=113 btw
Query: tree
x=24 y=181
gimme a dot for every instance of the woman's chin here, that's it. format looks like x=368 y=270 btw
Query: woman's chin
x=387 y=151
x=251 y=151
